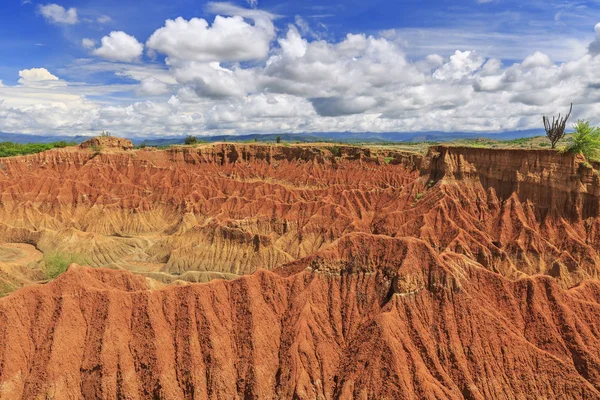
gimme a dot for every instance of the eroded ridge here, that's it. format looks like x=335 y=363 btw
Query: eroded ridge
x=468 y=273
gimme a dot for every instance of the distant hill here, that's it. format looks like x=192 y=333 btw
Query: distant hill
x=349 y=137
x=25 y=138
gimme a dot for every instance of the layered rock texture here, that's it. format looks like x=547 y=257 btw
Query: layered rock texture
x=330 y=272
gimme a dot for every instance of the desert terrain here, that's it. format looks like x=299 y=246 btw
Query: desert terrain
x=307 y=271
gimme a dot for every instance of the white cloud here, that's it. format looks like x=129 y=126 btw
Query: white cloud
x=88 y=43
x=150 y=86
x=594 y=47
x=227 y=39
x=119 y=46
x=461 y=64
x=293 y=45
x=537 y=60
x=35 y=75
x=57 y=14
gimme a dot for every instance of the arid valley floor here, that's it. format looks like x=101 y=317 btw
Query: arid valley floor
x=256 y=271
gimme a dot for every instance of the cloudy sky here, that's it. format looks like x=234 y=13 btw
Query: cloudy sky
x=161 y=68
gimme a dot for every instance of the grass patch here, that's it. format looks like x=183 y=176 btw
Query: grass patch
x=56 y=263
x=6 y=289
x=336 y=151
x=11 y=149
x=419 y=196
x=388 y=160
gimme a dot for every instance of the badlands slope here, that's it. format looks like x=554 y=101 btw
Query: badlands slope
x=349 y=273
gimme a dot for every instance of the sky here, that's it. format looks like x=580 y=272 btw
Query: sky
x=168 y=68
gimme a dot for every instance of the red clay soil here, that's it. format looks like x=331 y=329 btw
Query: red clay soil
x=469 y=273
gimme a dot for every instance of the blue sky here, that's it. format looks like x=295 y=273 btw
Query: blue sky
x=75 y=67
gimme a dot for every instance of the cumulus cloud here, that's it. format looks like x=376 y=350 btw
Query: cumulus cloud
x=537 y=60
x=150 y=86
x=594 y=47
x=57 y=14
x=119 y=46
x=461 y=64
x=227 y=39
x=36 y=75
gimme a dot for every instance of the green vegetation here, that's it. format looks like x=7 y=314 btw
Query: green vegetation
x=419 y=196
x=189 y=140
x=388 y=160
x=586 y=141
x=56 y=263
x=518 y=141
x=278 y=139
x=6 y=288
x=336 y=151
x=10 y=149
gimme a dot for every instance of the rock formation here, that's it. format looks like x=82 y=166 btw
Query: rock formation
x=359 y=273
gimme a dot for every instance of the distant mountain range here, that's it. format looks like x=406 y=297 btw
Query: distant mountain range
x=349 y=137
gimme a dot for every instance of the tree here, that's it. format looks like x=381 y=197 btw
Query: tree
x=191 y=140
x=278 y=139
x=556 y=130
x=586 y=141
x=105 y=134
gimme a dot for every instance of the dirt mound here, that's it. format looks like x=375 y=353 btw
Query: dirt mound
x=355 y=273
x=107 y=143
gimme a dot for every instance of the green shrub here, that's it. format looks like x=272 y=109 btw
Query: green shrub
x=191 y=140
x=336 y=151
x=278 y=139
x=56 y=263
x=586 y=141
x=388 y=160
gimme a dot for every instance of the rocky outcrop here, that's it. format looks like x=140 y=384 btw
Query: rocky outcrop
x=564 y=185
x=107 y=143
